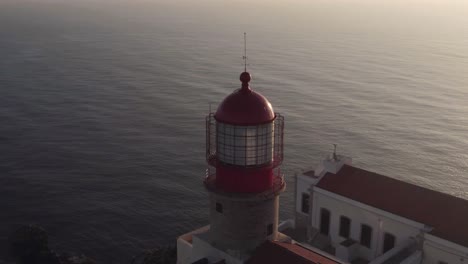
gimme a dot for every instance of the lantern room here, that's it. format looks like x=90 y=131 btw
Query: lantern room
x=244 y=141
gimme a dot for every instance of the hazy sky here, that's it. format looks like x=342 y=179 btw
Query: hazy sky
x=452 y=11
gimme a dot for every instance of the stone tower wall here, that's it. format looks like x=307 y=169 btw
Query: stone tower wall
x=244 y=222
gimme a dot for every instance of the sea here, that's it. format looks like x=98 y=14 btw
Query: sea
x=103 y=105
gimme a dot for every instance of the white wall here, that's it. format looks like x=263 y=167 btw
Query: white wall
x=395 y=251
x=437 y=249
x=185 y=245
x=184 y=251
x=203 y=249
x=303 y=185
x=379 y=220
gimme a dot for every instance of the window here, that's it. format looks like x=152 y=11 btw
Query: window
x=366 y=235
x=345 y=226
x=245 y=145
x=269 y=229
x=324 y=221
x=305 y=203
x=389 y=242
x=219 y=208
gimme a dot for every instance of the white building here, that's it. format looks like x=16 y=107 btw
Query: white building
x=364 y=217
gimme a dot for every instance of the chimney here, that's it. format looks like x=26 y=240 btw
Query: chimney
x=332 y=163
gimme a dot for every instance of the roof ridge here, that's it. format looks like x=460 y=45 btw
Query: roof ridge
x=404 y=182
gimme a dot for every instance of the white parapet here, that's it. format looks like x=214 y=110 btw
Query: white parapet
x=185 y=245
x=184 y=251
x=415 y=258
x=394 y=251
x=332 y=164
x=289 y=223
x=348 y=250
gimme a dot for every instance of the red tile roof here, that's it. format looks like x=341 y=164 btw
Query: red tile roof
x=274 y=252
x=446 y=214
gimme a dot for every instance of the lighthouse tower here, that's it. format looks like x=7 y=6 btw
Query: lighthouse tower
x=244 y=151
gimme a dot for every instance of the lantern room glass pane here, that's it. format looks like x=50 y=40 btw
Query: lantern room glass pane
x=245 y=145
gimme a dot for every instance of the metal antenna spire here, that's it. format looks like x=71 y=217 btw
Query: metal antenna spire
x=335 y=157
x=245 y=52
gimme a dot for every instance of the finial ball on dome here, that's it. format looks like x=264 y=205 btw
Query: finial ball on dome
x=245 y=77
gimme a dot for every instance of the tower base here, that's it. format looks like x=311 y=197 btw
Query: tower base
x=240 y=222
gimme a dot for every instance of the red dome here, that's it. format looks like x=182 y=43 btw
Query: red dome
x=245 y=107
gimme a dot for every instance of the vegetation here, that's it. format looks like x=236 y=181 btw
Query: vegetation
x=30 y=245
x=161 y=255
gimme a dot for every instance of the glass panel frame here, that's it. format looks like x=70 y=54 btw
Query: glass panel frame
x=245 y=145
x=262 y=143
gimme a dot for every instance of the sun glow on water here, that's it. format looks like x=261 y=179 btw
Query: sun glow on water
x=103 y=103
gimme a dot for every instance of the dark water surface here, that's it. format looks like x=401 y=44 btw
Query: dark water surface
x=102 y=105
